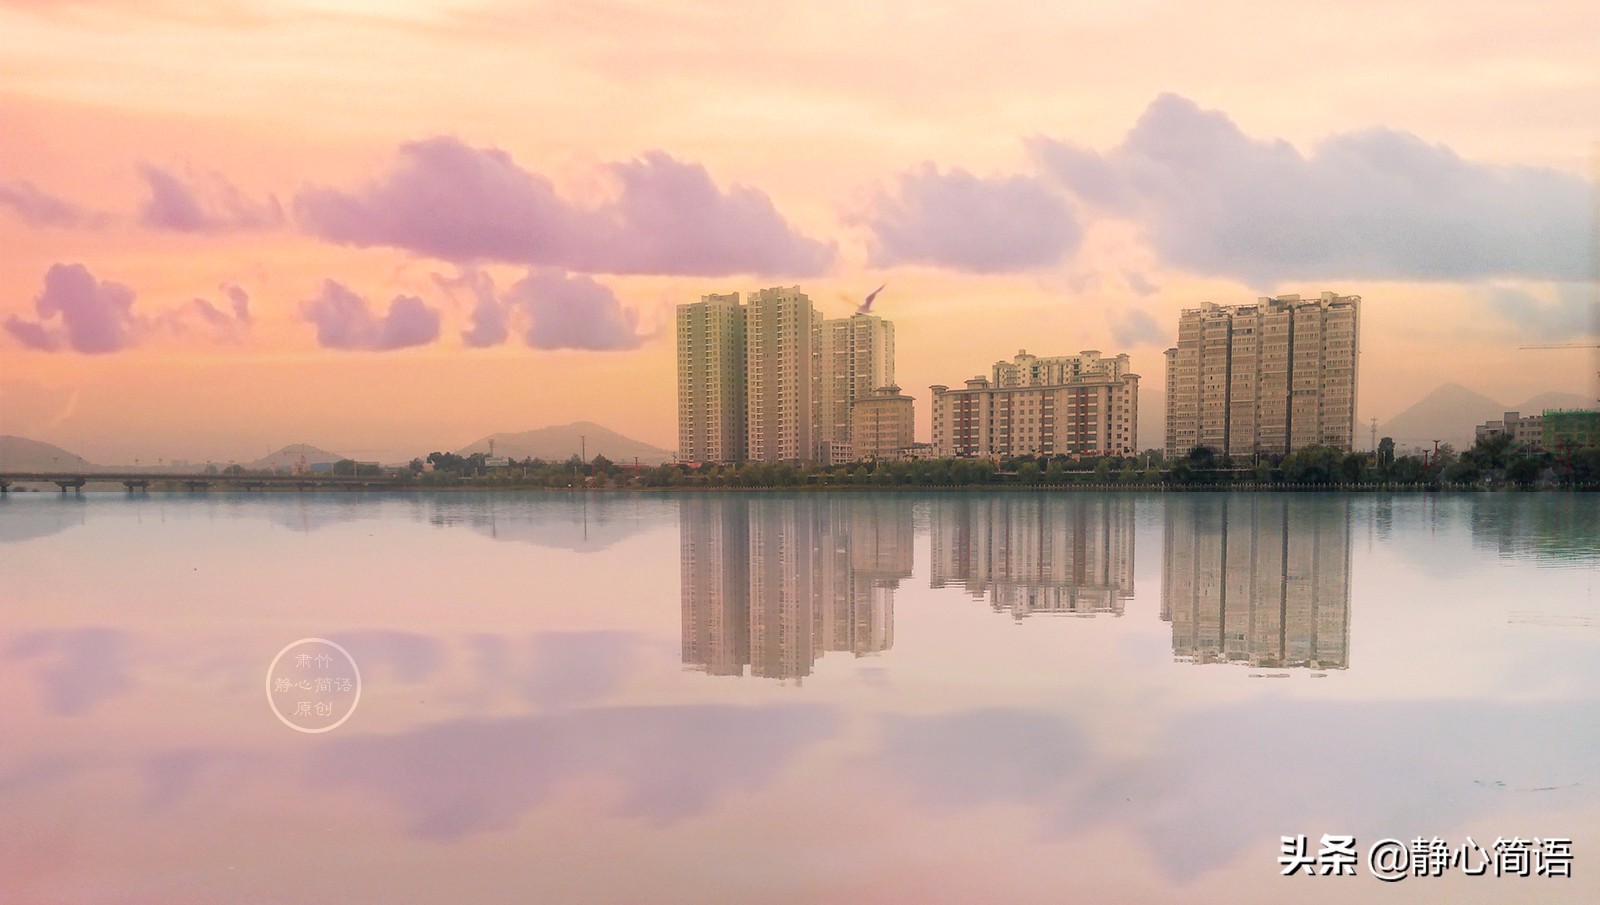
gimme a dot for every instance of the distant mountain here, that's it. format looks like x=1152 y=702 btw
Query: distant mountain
x=1451 y=412
x=1544 y=401
x=287 y=457
x=22 y=454
x=561 y=442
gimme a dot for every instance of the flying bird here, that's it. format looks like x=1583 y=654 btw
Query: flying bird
x=866 y=306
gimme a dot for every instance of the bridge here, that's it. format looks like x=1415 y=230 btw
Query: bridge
x=141 y=480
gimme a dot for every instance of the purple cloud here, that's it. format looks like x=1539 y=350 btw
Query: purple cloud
x=446 y=199
x=345 y=320
x=80 y=313
x=36 y=207
x=958 y=220
x=227 y=324
x=490 y=316
x=549 y=308
x=670 y=218
x=1377 y=203
x=238 y=302
x=76 y=311
x=572 y=311
x=209 y=205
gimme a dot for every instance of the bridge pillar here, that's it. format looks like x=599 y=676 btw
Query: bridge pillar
x=136 y=484
x=74 y=483
x=197 y=485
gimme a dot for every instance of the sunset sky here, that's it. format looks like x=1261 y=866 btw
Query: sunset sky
x=386 y=228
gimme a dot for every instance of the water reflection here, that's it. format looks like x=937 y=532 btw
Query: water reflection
x=1031 y=554
x=25 y=521
x=531 y=708
x=771 y=583
x=1554 y=527
x=1258 y=579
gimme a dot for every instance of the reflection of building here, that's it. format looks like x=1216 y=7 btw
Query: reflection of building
x=1258 y=579
x=773 y=582
x=1265 y=378
x=714 y=534
x=865 y=554
x=1072 y=405
x=1036 y=554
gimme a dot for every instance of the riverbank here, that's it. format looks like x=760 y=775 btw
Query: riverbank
x=999 y=487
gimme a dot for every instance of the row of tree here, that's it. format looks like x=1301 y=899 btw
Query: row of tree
x=1496 y=461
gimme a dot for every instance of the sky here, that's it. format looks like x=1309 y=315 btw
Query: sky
x=386 y=228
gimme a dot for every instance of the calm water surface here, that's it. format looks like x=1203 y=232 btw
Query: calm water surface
x=815 y=698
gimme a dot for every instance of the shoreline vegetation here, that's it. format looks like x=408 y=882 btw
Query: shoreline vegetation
x=1494 y=463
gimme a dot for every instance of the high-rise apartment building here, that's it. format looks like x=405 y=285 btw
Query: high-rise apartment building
x=711 y=379
x=1266 y=378
x=855 y=358
x=771 y=381
x=781 y=375
x=1072 y=405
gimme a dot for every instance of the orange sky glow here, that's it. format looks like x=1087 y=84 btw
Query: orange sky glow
x=386 y=228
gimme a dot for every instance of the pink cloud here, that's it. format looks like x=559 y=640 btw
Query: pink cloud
x=572 y=311
x=490 y=315
x=448 y=200
x=36 y=207
x=345 y=320
x=1375 y=203
x=549 y=308
x=229 y=323
x=77 y=312
x=208 y=204
x=965 y=222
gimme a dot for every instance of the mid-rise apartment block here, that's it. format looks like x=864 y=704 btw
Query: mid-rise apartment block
x=1567 y=429
x=882 y=425
x=1267 y=378
x=1526 y=430
x=1073 y=405
x=711 y=379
